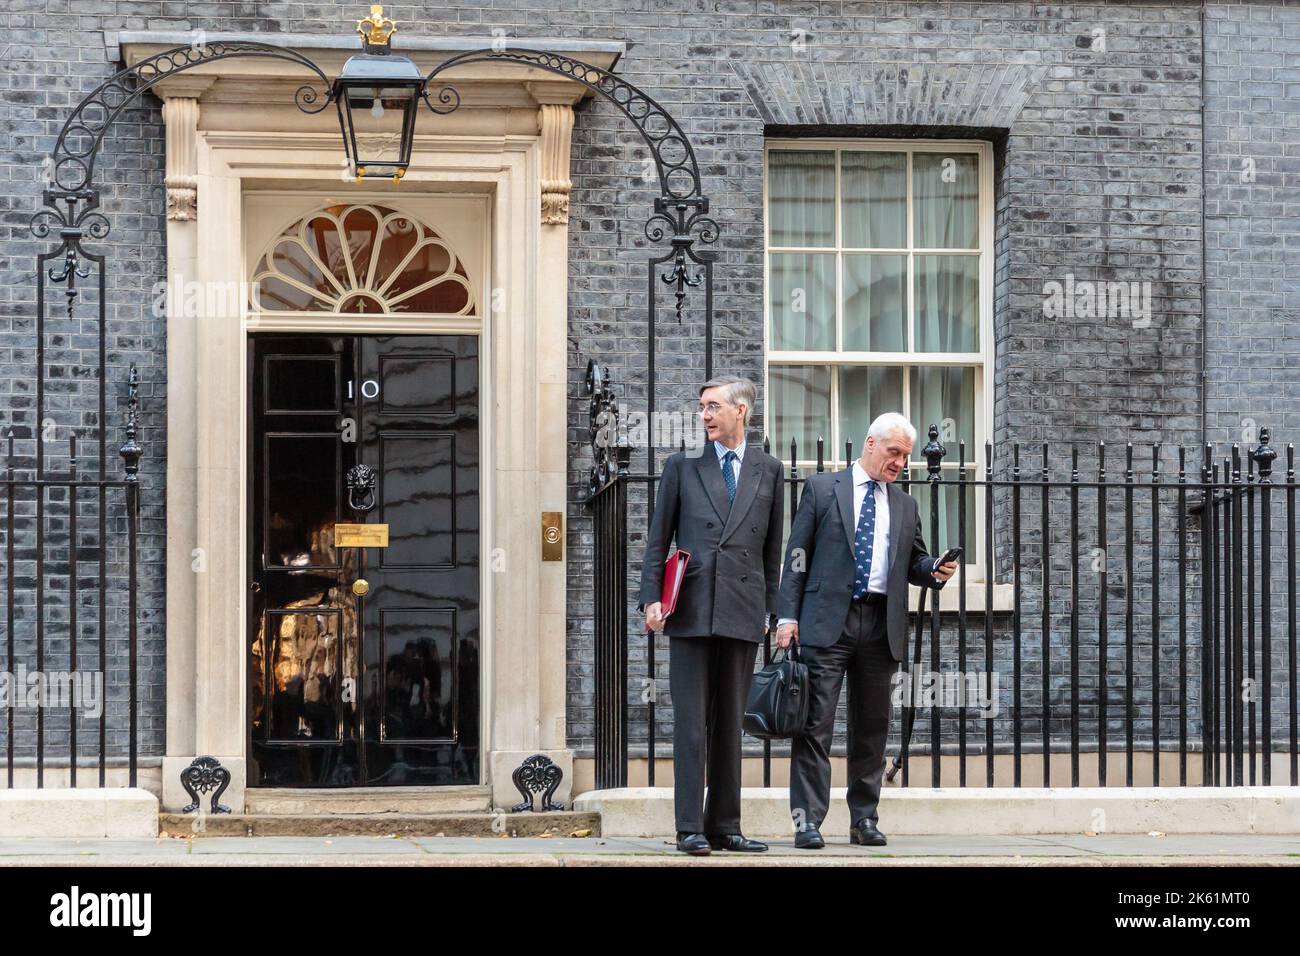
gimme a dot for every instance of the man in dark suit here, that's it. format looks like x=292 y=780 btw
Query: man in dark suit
x=855 y=543
x=723 y=505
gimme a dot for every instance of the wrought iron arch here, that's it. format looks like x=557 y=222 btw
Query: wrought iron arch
x=679 y=178
x=93 y=116
x=680 y=211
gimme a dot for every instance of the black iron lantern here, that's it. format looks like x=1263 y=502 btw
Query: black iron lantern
x=376 y=94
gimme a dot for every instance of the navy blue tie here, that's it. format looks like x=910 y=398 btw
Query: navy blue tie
x=728 y=475
x=863 y=540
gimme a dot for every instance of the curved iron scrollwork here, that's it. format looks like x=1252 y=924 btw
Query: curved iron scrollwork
x=610 y=451
x=78 y=217
x=446 y=96
x=679 y=174
x=537 y=774
x=73 y=159
x=681 y=210
x=361 y=481
x=677 y=219
x=204 y=774
x=70 y=196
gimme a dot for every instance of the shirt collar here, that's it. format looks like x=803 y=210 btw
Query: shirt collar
x=721 y=450
x=860 y=476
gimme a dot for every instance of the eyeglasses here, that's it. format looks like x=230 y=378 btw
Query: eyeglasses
x=712 y=408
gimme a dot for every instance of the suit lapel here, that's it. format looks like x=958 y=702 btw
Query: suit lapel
x=844 y=495
x=745 y=490
x=894 y=497
x=711 y=474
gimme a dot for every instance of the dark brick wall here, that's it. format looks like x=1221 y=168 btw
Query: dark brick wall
x=1096 y=107
x=1095 y=113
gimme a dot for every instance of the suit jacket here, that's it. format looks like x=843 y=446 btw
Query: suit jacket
x=730 y=587
x=817 y=583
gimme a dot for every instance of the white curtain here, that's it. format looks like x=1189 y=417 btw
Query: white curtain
x=801 y=398
x=801 y=198
x=874 y=190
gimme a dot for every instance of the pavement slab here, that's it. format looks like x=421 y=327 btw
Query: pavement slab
x=393 y=850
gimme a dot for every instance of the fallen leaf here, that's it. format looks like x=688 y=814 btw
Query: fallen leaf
x=581 y=833
x=1089 y=832
x=1155 y=833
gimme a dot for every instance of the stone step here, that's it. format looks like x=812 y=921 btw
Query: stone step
x=297 y=802
x=956 y=811
x=559 y=824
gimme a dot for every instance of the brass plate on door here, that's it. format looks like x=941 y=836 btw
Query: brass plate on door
x=360 y=535
x=552 y=536
x=360 y=587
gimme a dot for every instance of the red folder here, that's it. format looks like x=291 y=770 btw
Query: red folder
x=674 y=571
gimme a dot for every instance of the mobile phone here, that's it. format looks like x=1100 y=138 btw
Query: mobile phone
x=952 y=554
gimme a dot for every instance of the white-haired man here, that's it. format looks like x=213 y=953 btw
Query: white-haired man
x=855 y=543
x=723 y=507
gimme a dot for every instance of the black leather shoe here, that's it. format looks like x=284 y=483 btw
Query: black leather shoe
x=809 y=839
x=866 y=834
x=736 y=843
x=696 y=844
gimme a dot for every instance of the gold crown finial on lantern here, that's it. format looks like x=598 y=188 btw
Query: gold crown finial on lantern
x=376 y=28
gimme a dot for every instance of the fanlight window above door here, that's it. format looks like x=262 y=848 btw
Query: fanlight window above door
x=364 y=258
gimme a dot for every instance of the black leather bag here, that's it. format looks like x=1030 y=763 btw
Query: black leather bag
x=777 y=706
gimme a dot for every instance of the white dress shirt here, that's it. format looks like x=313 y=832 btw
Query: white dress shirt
x=722 y=450
x=879 y=576
x=880 y=540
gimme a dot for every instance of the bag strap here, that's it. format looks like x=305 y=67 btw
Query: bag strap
x=791 y=653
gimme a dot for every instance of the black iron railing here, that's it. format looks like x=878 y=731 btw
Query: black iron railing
x=69 y=562
x=1164 y=623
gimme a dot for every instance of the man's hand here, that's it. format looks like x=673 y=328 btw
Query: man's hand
x=944 y=571
x=785 y=634
x=654 y=616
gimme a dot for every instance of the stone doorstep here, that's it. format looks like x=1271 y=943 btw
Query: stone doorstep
x=765 y=812
x=559 y=824
x=421 y=801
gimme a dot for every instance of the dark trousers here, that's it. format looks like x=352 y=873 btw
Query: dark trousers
x=709 y=679
x=862 y=652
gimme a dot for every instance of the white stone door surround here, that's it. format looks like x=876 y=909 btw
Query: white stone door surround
x=233 y=134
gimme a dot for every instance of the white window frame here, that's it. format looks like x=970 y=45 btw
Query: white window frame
x=983 y=364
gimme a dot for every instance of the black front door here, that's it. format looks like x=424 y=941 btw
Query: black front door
x=364 y=660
